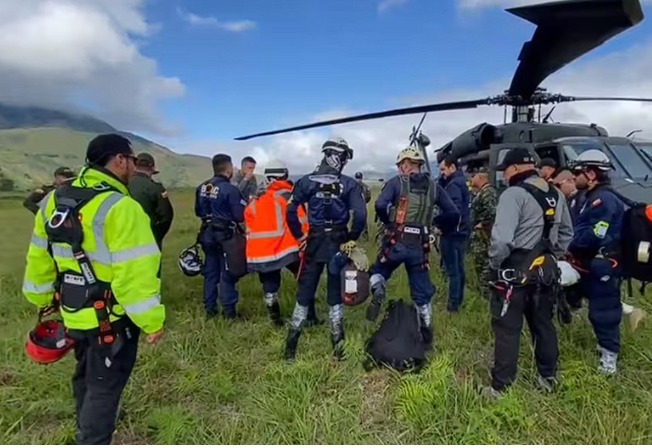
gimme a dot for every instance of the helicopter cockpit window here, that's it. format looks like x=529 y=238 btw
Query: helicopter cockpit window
x=635 y=166
x=574 y=149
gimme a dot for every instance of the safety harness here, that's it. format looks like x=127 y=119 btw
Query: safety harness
x=75 y=292
x=537 y=266
x=329 y=187
x=412 y=216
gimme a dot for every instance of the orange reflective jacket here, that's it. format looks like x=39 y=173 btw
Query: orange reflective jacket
x=270 y=244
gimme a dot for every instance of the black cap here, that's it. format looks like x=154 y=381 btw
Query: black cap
x=516 y=156
x=104 y=146
x=550 y=162
x=146 y=160
x=64 y=171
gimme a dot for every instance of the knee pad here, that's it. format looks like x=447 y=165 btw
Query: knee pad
x=299 y=317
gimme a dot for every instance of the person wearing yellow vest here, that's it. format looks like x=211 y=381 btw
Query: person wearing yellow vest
x=108 y=291
x=270 y=244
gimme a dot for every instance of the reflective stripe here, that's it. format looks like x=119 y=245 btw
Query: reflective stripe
x=101 y=253
x=41 y=243
x=33 y=288
x=276 y=256
x=280 y=228
x=142 y=307
x=133 y=253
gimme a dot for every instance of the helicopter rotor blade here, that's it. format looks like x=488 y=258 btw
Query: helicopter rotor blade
x=609 y=98
x=472 y=104
x=566 y=30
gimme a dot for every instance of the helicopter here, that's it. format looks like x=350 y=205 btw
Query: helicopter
x=565 y=31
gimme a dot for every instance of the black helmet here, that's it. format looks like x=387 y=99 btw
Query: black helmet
x=358 y=175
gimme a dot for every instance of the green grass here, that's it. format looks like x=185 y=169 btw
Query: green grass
x=226 y=383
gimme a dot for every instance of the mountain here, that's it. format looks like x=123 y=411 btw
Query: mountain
x=35 y=141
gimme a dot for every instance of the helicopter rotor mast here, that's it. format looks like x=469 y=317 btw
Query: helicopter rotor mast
x=566 y=30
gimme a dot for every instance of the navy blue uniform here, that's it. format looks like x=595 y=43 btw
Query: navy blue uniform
x=454 y=237
x=597 y=235
x=405 y=250
x=327 y=219
x=220 y=206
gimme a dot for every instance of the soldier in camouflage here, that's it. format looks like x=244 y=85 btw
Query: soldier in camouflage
x=483 y=213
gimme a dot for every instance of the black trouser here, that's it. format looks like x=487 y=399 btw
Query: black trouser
x=538 y=311
x=99 y=379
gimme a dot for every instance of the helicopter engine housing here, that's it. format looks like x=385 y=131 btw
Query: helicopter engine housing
x=471 y=141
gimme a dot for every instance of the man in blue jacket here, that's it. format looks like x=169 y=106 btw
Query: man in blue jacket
x=220 y=206
x=454 y=237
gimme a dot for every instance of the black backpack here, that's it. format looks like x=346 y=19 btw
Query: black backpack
x=398 y=342
x=636 y=241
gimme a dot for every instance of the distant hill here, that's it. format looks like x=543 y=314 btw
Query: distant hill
x=34 y=141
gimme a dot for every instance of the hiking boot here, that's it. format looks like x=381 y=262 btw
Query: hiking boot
x=373 y=310
x=490 y=393
x=608 y=361
x=274 y=312
x=547 y=384
x=291 y=344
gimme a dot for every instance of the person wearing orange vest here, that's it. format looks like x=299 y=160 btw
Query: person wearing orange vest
x=270 y=244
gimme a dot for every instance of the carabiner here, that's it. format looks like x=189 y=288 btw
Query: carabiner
x=56 y=214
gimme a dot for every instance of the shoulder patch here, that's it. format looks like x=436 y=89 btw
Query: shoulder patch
x=596 y=203
x=164 y=195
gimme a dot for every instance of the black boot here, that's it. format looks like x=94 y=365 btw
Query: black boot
x=426 y=334
x=274 y=312
x=291 y=344
x=312 y=319
x=338 y=346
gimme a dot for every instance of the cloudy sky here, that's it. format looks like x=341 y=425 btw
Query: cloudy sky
x=193 y=74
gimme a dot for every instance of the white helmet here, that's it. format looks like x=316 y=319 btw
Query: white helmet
x=190 y=262
x=276 y=169
x=410 y=153
x=593 y=158
x=338 y=145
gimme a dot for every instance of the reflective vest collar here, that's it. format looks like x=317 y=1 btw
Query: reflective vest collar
x=89 y=177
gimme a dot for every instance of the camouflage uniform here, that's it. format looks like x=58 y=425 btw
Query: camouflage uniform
x=483 y=211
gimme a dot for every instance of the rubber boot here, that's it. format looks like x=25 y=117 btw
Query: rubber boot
x=338 y=346
x=291 y=344
x=377 y=299
x=312 y=319
x=274 y=311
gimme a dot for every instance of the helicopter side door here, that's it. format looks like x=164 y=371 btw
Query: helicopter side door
x=496 y=156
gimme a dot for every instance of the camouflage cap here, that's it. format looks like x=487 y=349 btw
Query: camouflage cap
x=480 y=170
x=64 y=171
x=146 y=160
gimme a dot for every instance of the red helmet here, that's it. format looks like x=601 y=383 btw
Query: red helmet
x=48 y=342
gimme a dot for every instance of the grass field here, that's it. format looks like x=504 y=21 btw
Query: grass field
x=226 y=383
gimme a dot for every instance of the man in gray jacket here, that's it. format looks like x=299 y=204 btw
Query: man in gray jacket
x=245 y=179
x=532 y=229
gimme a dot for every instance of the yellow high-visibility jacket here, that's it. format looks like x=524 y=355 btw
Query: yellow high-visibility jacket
x=119 y=243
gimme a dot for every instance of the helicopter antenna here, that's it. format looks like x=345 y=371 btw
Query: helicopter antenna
x=548 y=115
x=633 y=132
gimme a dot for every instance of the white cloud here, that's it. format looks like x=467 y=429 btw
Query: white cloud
x=234 y=26
x=386 y=5
x=58 y=52
x=376 y=142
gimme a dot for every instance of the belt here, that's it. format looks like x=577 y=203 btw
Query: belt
x=328 y=226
